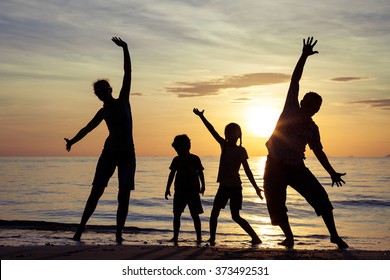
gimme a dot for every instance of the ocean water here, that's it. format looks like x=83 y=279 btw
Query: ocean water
x=42 y=200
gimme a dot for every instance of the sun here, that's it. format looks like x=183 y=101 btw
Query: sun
x=261 y=121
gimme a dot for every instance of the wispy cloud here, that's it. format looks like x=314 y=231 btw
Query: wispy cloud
x=378 y=103
x=350 y=79
x=214 y=86
x=241 y=100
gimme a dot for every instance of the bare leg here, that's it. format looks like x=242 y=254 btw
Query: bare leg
x=198 y=227
x=245 y=226
x=213 y=223
x=121 y=215
x=289 y=241
x=90 y=207
x=334 y=236
x=176 y=227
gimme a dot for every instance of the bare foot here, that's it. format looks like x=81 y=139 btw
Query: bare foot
x=211 y=242
x=288 y=243
x=174 y=240
x=340 y=243
x=119 y=239
x=79 y=232
x=256 y=241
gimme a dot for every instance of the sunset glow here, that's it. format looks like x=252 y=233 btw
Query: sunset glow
x=222 y=56
x=262 y=121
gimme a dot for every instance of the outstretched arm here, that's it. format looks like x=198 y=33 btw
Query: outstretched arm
x=96 y=120
x=323 y=159
x=249 y=174
x=307 y=50
x=126 y=84
x=209 y=126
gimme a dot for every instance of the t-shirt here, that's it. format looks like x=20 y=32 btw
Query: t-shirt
x=117 y=116
x=292 y=133
x=187 y=178
x=229 y=165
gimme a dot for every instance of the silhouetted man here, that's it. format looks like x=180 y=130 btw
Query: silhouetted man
x=118 y=151
x=285 y=162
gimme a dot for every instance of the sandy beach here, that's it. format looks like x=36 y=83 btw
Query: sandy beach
x=153 y=252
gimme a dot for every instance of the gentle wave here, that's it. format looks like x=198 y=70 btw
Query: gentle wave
x=365 y=203
x=53 y=226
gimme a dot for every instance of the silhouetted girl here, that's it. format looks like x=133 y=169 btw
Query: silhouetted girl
x=230 y=188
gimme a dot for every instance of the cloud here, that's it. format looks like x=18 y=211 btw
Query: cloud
x=350 y=79
x=34 y=75
x=377 y=103
x=241 y=100
x=213 y=87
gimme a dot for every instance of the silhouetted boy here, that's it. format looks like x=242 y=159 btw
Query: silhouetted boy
x=187 y=170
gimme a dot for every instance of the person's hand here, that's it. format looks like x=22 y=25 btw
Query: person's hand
x=258 y=191
x=197 y=112
x=167 y=193
x=68 y=144
x=118 y=41
x=202 y=190
x=308 y=46
x=336 y=179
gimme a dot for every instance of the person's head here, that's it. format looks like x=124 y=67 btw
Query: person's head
x=233 y=133
x=311 y=103
x=103 y=90
x=181 y=144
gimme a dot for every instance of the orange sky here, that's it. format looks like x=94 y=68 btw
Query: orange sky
x=233 y=62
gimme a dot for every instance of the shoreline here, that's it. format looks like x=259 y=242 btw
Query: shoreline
x=160 y=252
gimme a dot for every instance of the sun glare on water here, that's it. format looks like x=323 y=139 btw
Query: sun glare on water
x=261 y=121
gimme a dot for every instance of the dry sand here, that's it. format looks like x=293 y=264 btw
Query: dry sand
x=152 y=252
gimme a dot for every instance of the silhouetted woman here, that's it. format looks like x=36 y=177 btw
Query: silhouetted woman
x=118 y=151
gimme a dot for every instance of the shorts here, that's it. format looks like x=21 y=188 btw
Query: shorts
x=181 y=200
x=107 y=163
x=225 y=193
x=277 y=176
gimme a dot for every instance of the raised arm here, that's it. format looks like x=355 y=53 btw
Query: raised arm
x=126 y=84
x=209 y=126
x=293 y=91
x=96 y=120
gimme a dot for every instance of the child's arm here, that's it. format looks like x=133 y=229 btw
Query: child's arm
x=249 y=173
x=209 y=126
x=169 y=183
x=202 y=182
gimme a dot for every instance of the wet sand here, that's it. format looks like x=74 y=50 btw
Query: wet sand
x=155 y=252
